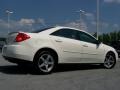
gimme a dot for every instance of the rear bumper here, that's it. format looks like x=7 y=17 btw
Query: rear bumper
x=15 y=60
x=17 y=51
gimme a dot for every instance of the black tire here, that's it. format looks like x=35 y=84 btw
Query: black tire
x=109 y=61
x=45 y=62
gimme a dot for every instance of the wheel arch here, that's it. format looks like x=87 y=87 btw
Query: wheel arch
x=107 y=62
x=47 y=49
x=111 y=52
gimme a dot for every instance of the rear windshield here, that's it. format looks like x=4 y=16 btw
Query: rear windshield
x=40 y=30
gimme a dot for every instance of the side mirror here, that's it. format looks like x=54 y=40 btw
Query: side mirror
x=98 y=42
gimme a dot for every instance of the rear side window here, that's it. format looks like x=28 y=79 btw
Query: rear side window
x=67 y=33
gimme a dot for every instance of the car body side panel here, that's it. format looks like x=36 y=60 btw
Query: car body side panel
x=69 y=52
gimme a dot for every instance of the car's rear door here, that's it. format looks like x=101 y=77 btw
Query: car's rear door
x=65 y=40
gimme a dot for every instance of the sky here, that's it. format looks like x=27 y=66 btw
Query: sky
x=29 y=15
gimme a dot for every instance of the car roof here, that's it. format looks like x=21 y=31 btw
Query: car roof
x=53 y=29
x=61 y=27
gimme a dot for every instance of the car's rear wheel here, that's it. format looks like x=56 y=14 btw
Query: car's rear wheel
x=109 y=61
x=45 y=62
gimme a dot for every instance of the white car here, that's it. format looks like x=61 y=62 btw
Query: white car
x=51 y=46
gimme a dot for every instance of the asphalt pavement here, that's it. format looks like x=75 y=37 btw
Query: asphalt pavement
x=66 y=77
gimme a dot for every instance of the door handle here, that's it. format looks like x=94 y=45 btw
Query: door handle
x=58 y=40
x=85 y=45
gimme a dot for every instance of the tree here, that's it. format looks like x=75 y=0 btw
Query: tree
x=109 y=37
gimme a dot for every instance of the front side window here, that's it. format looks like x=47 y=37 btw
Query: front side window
x=82 y=36
x=67 y=33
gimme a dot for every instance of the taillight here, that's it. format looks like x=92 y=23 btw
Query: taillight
x=21 y=37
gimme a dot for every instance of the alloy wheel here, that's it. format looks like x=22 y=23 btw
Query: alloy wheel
x=109 y=61
x=46 y=63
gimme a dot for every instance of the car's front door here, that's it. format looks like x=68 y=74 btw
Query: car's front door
x=92 y=50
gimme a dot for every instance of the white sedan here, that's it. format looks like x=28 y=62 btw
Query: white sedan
x=51 y=46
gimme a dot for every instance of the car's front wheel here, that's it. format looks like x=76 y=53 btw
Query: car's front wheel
x=109 y=61
x=45 y=62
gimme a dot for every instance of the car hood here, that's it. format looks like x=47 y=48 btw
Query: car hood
x=108 y=47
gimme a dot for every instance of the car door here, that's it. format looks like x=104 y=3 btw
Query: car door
x=70 y=48
x=92 y=50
